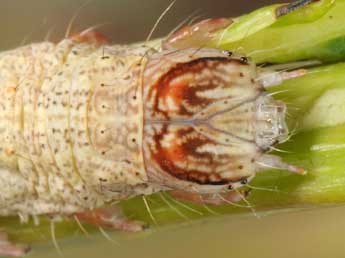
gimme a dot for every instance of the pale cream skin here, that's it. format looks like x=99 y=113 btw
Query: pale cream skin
x=79 y=128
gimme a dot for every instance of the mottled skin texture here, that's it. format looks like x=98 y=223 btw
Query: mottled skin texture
x=71 y=127
x=83 y=124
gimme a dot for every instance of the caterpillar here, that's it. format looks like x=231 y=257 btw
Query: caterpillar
x=84 y=123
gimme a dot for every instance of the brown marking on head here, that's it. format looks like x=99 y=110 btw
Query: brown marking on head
x=181 y=85
x=172 y=157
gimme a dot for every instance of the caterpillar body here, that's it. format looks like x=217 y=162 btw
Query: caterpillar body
x=83 y=124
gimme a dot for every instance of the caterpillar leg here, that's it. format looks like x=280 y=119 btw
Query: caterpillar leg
x=195 y=35
x=274 y=78
x=110 y=217
x=210 y=199
x=7 y=248
x=270 y=161
x=91 y=36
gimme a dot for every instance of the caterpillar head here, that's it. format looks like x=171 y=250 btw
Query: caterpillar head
x=270 y=122
x=208 y=120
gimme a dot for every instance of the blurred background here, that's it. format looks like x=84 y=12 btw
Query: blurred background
x=124 y=20
x=309 y=233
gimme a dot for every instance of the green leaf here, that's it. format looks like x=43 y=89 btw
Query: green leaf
x=315 y=31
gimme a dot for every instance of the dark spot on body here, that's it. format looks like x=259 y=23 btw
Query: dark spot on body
x=244 y=181
x=244 y=60
x=228 y=53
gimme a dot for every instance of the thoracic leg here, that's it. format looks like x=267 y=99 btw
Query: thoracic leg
x=91 y=36
x=211 y=199
x=195 y=35
x=270 y=161
x=274 y=78
x=7 y=248
x=110 y=217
